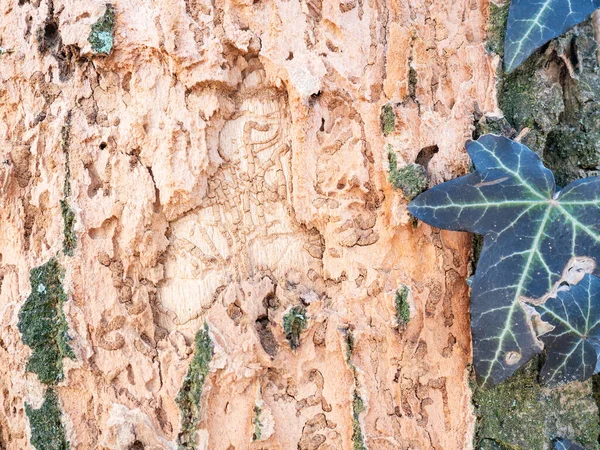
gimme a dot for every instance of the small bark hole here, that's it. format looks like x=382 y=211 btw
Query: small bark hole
x=265 y=335
x=426 y=154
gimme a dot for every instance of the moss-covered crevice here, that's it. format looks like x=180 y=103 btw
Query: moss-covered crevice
x=519 y=414
x=387 y=119
x=47 y=429
x=70 y=240
x=102 y=33
x=358 y=442
x=43 y=325
x=410 y=179
x=402 y=307
x=190 y=394
x=358 y=406
x=349 y=335
x=257 y=434
x=44 y=328
x=294 y=323
x=69 y=237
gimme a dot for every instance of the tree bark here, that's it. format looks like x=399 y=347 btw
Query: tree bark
x=222 y=174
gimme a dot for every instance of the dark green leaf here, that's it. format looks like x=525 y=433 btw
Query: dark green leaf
x=573 y=343
x=532 y=23
x=532 y=234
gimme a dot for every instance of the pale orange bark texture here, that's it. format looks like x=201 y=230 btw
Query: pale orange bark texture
x=227 y=163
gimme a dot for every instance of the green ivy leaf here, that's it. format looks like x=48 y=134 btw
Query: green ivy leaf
x=532 y=23
x=532 y=234
x=574 y=342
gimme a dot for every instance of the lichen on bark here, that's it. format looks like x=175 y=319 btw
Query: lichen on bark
x=101 y=35
x=190 y=393
x=47 y=429
x=42 y=323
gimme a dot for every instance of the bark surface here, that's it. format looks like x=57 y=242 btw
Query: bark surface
x=199 y=210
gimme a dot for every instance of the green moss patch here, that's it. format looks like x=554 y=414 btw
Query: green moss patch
x=257 y=423
x=358 y=406
x=190 y=393
x=294 y=323
x=387 y=119
x=47 y=429
x=102 y=33
x=496 y=29
x=402 y=307
x=531 y=99
x=69 y=237
x=42 y=323
x=410 y=179
x=519 y=414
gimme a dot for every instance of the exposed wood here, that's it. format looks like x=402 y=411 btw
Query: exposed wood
x=226 y=162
